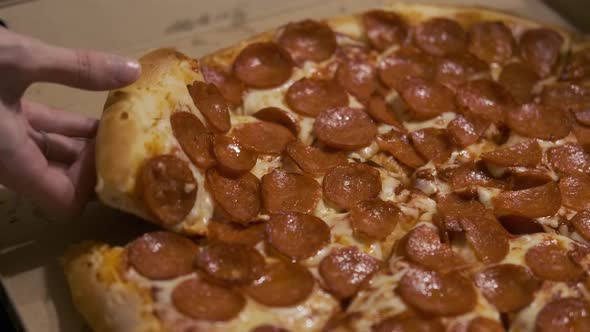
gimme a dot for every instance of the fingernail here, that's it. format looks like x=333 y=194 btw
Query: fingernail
x=127 y=70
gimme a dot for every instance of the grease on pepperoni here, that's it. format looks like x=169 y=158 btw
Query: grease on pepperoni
x=538 y=121
x=581 y=223
x=541 y=49
x=230 y=232
x=441 y=36
x=278 y=116
x=345 y=185
x=200 y=299
x=456 y=69
x=310 y=96
x=577 y=66
x=230 y=262
x=524 y=154
x=426 y=99
x=314 y=160
x=432 y=143
x=263 y=137
x=263 y=65
x=374 y=218
x=357 y=72
x=491 y=41
x=168 y=188
x=519 y=80
x=384 y=28
x=193 y=138
x=233 y=158
x=239 y=198
x=564 y=315
x=465 y=130
x=423 y=246
x=229 y=86
x=289 y=192
x=161 y=255
x=211 y=104
x=469 y=175
x=399 y=146
x=398 y=68
x=297 y=235
x=541 y=201
x=550 y=261
x=575 y=192
x=569 y=159
x=381 y=111
x=308 y=40
x=566 y=96
x=283 y=284
x=486 y=99
x=345 y=128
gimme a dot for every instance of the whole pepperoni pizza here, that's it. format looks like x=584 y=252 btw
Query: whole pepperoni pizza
x=409 y=168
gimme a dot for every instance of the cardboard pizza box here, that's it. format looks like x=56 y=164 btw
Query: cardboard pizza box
x=31 y=244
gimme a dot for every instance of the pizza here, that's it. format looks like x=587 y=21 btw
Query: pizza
x=409 y=168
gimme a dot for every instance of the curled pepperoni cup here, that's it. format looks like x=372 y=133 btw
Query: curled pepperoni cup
x=426 y=99
x=432 y=143
x=486 y=99
x=581 y=223
x=442 y=294
x=424 y=247
x=456 y=69
x=566 y=96
x=469 y=175
x=542 y=201
x=263 y=137
x=577 y=66
x=524 y=154
x=491 y=41
x=231 y=232
x=297 y=235
x=357 y=72
x=345 y=185
x=289 y=192
x=441 y=36
x=211 y=104
x=541 y=48
x=550 y=261
x=344 y=270
x=279 y=116
x=310 y=96
x=565 y=314
x=168 y=188
x=313 y=160
x=199 y=299
x=308 y=40
x=374 y=218
x=519 y=80
x=404 y=323
x=345 y=128
x=397 y=69
x=193 y=138
x=381 y=111
x=538 y=121
x=233 y=158
x=384 y=28
x=575 y=192
x=230 y=263
x=508 y=287
x=526 y=178
x=465 y=130
x=263 y=65
x=161 y=255
x=238 y=198
x=479 y=324
x=283 y=284
x=400 y=147
x=569 y=159
x=229 y=86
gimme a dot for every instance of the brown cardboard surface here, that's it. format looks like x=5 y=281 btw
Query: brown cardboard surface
x=30 y=245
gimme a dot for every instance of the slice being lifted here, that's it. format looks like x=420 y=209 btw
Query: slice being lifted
x=415 y=167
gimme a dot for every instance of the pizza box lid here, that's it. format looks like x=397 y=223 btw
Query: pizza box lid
x=31 y=244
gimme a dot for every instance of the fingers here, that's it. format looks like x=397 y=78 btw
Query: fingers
x=60 y=122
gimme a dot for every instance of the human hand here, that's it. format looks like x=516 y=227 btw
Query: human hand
x=47 y=155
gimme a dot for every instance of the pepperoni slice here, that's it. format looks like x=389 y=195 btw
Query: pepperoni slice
x=397 y=69
x=550 y=261
x=403 y=323
x=229 y=262
x=537 y=121
x=231 y=232
x=508 y=287
x=289 y=192
x=211 y=104
x=193 y=138
x=263 y=137
x=263 y=65
x=566 y=96
x=168 y=188
x=465 y=130
x=427 y=99
x=519 y=79
x=444 y=294
x=345 y=185
x=239 y=198
x=268 y=328
x=308 y=40
x=529 y=178
x=356 y=71
x=582 y=134
x=456 y=69
x=278 y=116
x=384 y=28
x=482 y=324
x=542 y=201
x=229 y=86
x=575 y=192
x=283 y=284
x=310 y=96
x=491 y=41
x=399 y=146
x=345 y=128
x=471 y=174
x=313 y=160
x=161 y=255
x=424 y=247
x=297 y=235
x=569 y=158
x=485 y=98
x=374 y=218
x=583 y=117
x=344 y=270
x=382 y=112
x=564 y=315
x=199 y=299
x=233 y=157
x=577 y=66
x=541 y=48
x=432 y=143
x=581 y=223
x=441 y=36
x=524 y=154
